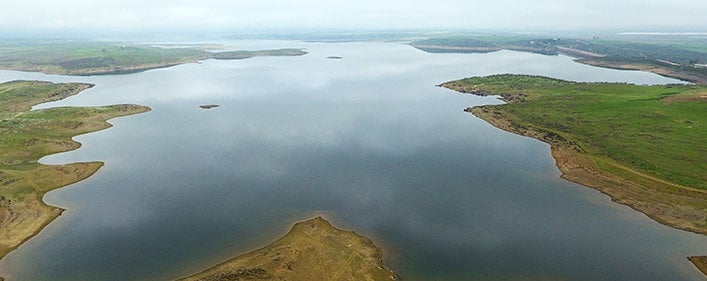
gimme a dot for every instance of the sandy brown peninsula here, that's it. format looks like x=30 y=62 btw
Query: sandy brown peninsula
x=313 y=250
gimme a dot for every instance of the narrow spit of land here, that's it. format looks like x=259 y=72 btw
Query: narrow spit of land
x=28 y=135
x=313 y=250
x=641 y=145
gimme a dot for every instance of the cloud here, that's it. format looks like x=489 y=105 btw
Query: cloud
x=155 y=16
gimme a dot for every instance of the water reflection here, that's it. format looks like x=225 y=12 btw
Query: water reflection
x=367 y=139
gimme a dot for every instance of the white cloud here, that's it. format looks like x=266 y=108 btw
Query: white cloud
x=161 y=15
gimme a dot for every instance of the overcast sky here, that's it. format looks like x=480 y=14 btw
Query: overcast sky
x=125 y=16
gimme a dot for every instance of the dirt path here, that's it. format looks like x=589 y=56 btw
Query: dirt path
x=652 y=178
x=354 y=254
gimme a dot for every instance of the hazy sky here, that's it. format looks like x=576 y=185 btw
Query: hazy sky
x=106 y=16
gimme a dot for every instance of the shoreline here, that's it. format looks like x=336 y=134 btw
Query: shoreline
x=582 y=169
x=685 y=76
x=51 y=212
x=700 y=263
x=111 y=60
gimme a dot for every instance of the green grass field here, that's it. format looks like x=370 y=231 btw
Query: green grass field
x=659 y=130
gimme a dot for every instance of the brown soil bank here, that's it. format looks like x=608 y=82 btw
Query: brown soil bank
x=700 y=263
x=577 y=155
x=313 y=250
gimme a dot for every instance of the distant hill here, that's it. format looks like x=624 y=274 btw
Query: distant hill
x=663 y=59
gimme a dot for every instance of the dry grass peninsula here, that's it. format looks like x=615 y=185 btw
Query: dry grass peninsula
x=641 y=145
x=700 y=263
x=28 y=135
x=313 y=250
x=95 y=58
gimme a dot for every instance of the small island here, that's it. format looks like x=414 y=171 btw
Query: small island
x=209 y=106
x=313 y=250
x=28 y=135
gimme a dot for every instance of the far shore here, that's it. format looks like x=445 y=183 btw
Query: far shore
x=660 y=67
x=581 y=169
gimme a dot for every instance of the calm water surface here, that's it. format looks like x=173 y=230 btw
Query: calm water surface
x=369 y=141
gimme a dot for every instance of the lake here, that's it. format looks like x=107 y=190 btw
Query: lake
x=368 y=141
